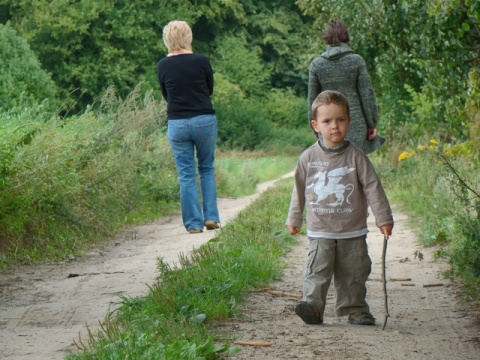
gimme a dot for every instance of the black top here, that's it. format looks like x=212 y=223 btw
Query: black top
x=186 y=82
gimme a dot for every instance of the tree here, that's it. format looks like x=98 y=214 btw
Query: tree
x=89 y=45
x=419 y=54
x=23 y=81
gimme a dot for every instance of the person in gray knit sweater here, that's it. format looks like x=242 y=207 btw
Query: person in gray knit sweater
x=340 y=69
x=335 y=183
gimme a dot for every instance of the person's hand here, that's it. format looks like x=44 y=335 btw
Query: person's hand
x=386 y=230
x=372 y=133
x=293 y=230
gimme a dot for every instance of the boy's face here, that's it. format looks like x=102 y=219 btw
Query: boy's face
x=332 y=122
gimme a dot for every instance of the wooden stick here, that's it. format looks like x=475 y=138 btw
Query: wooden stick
x=384 y=255
x=400 y=279
x=432 y=285
x=282 y=293
x=253 y=343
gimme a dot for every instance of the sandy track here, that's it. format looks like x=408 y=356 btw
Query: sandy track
x=424 y=323
x=43 y=308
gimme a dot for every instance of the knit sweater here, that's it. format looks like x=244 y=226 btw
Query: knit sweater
x=336 y=187
x=340 y=69
x=186 y=82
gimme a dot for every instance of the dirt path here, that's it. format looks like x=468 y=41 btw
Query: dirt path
x=426 y=319
x=43 y=308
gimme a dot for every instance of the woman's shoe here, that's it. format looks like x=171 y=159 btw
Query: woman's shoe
x=211 y=225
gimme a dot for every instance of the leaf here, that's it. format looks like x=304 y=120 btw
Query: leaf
x=197 y=319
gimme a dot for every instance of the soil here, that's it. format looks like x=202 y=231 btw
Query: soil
x=44 y=308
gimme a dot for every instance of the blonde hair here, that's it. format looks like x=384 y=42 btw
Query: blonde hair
x=328 y=97
x=177 y=35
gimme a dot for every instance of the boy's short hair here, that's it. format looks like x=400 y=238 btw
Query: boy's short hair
x=336 y=33
x=177 y=35
x=328 y=97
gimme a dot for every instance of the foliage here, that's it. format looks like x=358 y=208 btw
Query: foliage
x=241 y=125
x=414 y=72
x=238 y=174
x=436 y=183
x=241 y=65
x=285 y=109
x=23 y=82
x=176 y=320
x=90 y=45
x=272 y=123
x=78 y=180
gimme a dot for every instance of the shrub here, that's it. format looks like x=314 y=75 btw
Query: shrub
x=23 y=81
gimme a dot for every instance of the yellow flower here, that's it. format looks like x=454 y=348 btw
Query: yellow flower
x=433 y=142
x=405 y=155
x=421 y=147
x=402 y=156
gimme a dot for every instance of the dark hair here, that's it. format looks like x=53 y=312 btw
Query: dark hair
x=336 y=32
x=328 y=97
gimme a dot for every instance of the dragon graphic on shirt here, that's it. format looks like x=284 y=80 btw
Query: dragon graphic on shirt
x=328 y=183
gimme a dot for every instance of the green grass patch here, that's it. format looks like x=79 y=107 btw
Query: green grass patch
x=238 y=174
x=176 y=320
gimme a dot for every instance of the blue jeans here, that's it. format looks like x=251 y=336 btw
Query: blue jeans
x=186 y=136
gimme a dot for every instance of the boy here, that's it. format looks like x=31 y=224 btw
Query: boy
x=335 y=182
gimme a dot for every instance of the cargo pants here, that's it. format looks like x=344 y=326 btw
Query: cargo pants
x=348 y=262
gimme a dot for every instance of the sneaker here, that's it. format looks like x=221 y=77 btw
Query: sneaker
x=361 y=318
x=211 y=225
x=195 y=231
x=308 y=313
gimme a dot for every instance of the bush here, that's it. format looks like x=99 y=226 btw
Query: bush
x=275 y=123
x=23 y=81
x=241 y=125
x=285 y=109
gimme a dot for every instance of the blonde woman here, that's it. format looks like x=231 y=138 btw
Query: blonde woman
x=186 y=82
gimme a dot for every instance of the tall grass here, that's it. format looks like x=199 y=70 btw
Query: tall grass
x=68 y=182
x=436 y=183
x=176 y=319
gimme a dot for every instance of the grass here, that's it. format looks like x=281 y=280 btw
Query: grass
x=176 y=319
x=238 y=174
x=437 y=185
x=69 y=184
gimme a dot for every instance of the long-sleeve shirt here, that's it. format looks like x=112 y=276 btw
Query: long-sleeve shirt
x=186 y=82
x=336 y=187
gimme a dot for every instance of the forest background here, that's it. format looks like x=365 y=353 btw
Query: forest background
x=82 y=122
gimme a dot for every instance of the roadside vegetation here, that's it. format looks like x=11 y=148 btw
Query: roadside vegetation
x=83 y=152
x=176 y=319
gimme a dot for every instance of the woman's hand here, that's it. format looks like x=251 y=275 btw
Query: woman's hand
x=372 y=133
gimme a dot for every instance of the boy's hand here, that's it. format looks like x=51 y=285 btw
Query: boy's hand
x=386 y=230
x=293 y=230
